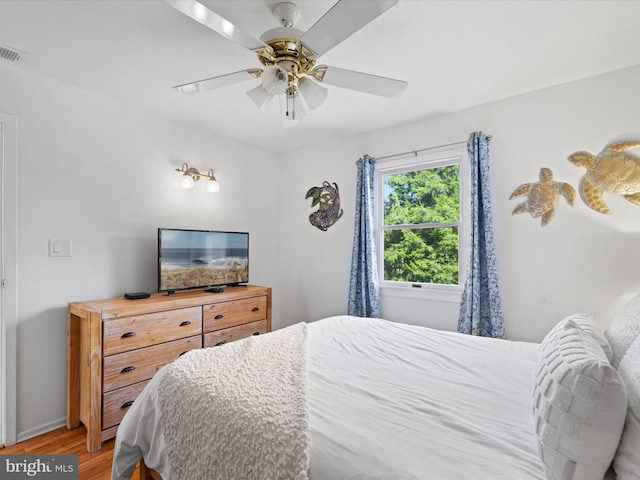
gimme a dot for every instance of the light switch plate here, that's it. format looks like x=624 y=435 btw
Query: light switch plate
x=60 y=248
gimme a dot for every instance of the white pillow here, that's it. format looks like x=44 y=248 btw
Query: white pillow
x=587 y=323
x=579 y=405
x=623 y=330
x=627 y=460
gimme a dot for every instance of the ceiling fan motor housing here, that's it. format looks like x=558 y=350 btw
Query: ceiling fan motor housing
x=286 y=51
x=287 y=13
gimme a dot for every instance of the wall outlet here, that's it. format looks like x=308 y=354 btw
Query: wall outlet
x=60 y=248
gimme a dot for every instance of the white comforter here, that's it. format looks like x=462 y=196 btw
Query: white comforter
x=393 y=402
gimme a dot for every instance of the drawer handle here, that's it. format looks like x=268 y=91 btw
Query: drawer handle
x=255 y=333
x=218 y=317
x=127 y=404
x=185 y=323
x=255 y=309
x=128 y=334
x=220 y=343
x=130 y=368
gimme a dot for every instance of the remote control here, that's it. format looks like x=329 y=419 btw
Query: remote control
x=214 y=290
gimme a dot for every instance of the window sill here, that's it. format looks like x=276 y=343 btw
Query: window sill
x=449 y=294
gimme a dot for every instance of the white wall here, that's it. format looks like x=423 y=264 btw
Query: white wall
x=97 y=172
x=580 y=261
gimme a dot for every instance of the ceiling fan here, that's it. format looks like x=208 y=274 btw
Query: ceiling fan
x=288 y=56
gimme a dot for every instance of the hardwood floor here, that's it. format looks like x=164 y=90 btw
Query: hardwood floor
x=91 y=466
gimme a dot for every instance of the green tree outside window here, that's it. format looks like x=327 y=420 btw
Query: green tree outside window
x=421 y=223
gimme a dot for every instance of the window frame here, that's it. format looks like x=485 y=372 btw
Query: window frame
x=433 y=158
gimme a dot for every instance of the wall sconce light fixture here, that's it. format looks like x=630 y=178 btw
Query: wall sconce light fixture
x=191 y=175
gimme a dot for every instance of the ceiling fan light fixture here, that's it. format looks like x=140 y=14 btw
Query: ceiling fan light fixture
x=314 y=94
x=289 y=56
x=260 y=97
x=293 y=108
x=275 y=80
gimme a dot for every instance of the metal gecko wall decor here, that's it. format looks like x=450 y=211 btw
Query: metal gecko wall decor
x=328 y=198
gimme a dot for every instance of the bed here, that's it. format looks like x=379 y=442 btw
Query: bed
x=381 y=400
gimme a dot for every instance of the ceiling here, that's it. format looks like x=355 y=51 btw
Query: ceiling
x=454 y=54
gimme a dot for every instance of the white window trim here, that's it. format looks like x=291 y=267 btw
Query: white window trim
x=432 y=158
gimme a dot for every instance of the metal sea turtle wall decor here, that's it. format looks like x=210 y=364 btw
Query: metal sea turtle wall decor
x=542 y=196
x=328 y=198
x=613 y=170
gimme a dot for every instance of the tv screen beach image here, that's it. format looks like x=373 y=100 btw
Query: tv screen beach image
x=191 y=259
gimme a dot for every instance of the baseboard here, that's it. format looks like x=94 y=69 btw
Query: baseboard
x=46 y=428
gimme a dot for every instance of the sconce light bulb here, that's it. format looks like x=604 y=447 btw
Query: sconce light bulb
x=187 y=181
x=213 y=186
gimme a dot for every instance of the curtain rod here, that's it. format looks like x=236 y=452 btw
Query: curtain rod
x=416 y=152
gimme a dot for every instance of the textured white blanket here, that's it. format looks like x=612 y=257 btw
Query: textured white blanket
x=239 y=411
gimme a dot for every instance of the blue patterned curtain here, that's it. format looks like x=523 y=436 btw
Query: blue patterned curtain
x=481 y=311
x=364 y=291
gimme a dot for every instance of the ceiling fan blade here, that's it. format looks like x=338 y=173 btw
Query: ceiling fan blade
x=220 y=81
x=361 y=82
x=215 y=22
x=343 y=19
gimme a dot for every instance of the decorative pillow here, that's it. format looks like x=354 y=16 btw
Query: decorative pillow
x=587 y=323
x=627 y=460
x=579 y=405
x=624 y=329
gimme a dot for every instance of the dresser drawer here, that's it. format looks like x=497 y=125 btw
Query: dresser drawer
x=135 y=366
x=228 y=314
x=128 y=333
x=230 y=334
x=116 y=403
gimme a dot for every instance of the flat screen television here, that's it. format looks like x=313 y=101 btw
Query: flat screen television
x=201 y=258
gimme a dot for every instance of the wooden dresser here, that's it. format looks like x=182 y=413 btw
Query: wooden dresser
x=115 y=346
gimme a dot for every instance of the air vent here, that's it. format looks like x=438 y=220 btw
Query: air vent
x=10 y=53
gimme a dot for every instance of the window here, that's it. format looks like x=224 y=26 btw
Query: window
x=420 y=218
